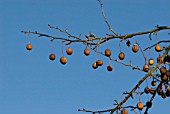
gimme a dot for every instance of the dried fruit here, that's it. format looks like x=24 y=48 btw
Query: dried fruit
x=149 y=104
x=69 y=51
x=160 y=91
x=168 y=93
x=124 y=111
x=163 y=95
x=164 y=77
x=140 y=105
x=151 y=61
x=99 y=62
x=63 y=60
x=158 y=48
x=146 y=68
x=128 y=43
x=109 y=67
x=86 y=52
x=153 y=83
x=167 y=58
x=29 y=46
x=121 y=56
x=163 y=70
x=159 y=59
x=94 y=65
x=135 y=48
x=52 y=56
x=152 y=91
x=108 y=52
x=146 y=90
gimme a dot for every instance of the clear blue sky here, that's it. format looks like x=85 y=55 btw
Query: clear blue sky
x=32 y=84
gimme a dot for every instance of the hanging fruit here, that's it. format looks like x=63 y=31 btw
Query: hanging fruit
x=121 y=56
x=151 y=61
x=94 y=65
x=153 y=83
x=99 y=62
x=108 y=52
x=135 y=48
x=146 y=68
x=124 y=111
x=128 y=43
x=63 y=60
x=69 y=51
x=109 y=67
x=163 y=70
x=29 y=46
x=167 y=58
x=52 y=56
x=146 y=90
x=149 y=104
x=159 y=59
x=158 y=48
x=140 y=105
x=86 y=52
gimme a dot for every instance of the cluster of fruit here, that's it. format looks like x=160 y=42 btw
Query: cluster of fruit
x=63 y=59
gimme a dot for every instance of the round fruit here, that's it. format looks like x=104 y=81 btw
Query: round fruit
x=121 y=56
x=159 y=59
x=29 y=46
x=124 y=111
x=163 y=95
x=140 y=105
x=69 y=51
x=94 y=65
x=146 y=68
x=108 y=52
x=151 y=61
x=146 y=90
x=153 y=83
x=160 y=91
x=168 y=74
x=152 y=90
x=52 y=56
x=163 y=70
x=168 y=93
x=164 y=77
x=135 y=48
x=167 y=58
x=158 y=48
x=109 y=68
x=99 y=62
x=149 y=104
x=86 y=52
x=63 y=60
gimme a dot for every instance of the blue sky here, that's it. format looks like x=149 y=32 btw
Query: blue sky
x=32 y=84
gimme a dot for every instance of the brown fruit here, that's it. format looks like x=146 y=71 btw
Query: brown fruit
x=168 y=93
x=167 y=58
x=158 y=48
x=160 y=91
x=86 y=52
x=94 y=65
x=63 y=60
x=153 y=83
x=29 y=46
x=149 y=104
x=151 y=61
x=152 y=91
x=146 y=68
x=99 y=62
x=52 y=56
x=109 y=68
x=140 y=105
x=146 y=90
x=121 y=56
x=124 y=111
x=108 y=52
x=163 y=70
x=128 y=43
x=159 y=59
x=164 y=77
x=69 y=51
x=135 y=48
x=168 y=74
x=163 y=95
